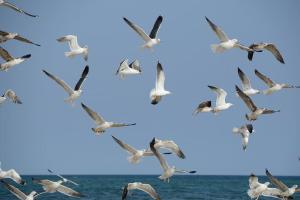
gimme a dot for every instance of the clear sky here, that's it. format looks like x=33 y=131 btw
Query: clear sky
x=45 y=132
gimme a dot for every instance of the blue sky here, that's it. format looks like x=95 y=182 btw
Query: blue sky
x=45 y=132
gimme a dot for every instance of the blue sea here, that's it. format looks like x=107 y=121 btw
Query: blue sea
x=106 y=187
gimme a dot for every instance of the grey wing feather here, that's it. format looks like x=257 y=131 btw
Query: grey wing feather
x=219 y=32
x=247 y=100
x=98 y=119
x=272 y=48
x=62 y=83
x=5 y=55
x=156 y=27
x=82 y=78
x=161 y=159
x=68 y=191
x=15 y=191
x=135 y=65
x=264 y=78
x=148 y=189
x=137 y=29
x=124 y=145
x=22 y=39
x=280 y=185
x=244 y=79
x=14 y=7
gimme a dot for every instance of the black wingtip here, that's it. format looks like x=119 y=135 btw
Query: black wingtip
x=193 y=172
x=23 y=182
x=26 y=56
x=82 y=104
x=124 y=193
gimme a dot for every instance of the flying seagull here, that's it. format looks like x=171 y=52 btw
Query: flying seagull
x=265 y=46
x=159 y=91
x=56 y=186
x=245 y=132
x=140 y=186
x=273 y=87
x=226 y=43
x=75 y=49
x=11 y=174
x=10 y=61
x=102 y=125
x=131 y=69
x=256 y=189
x=65 y=180
x=255 y=111
x=168 y=171
x=14 y=7
x=10 y=94
x=150 y=40
x=220 y=101
x=20 y=195
x=203 y=107
x=285 y=191
x=73 y=94
x=5 y=36
x=246 y=86
x=169 y=145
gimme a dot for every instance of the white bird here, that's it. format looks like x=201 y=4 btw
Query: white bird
x=255 y=111
x=221 y=99
x=168 y=171
x=65 y=180
x=150 y=40
x=245 y=132
x=140 y=186
x=20 y=195
x=131 y=69
x=56 y=186
x=285 y=191
x=11 y=174
x=169 y=145
x=159 y=91
x=203 y=107
x=5 y=36
x=75 y=49
x=246 y=85
x=73 y=94
x=273 y=87
x=102 y=125
x=10 y=94
x=14 y=7
x=256 y=188
x=10 y=61
x=259 y=47
x=226 y=43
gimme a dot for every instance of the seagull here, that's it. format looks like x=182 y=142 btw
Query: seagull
x=273 y=87
x=10 y=61
x=102 y=125
x=226 y=43
x=73 y=94
x=20 y=195
x=259 y=47
x=56 y=186
x=159 y=91
x=140 y=186
x=150 y=40
x=65 y=180
x=285 y=191
x=245 y=132
x=255 y=110
x=256 y=188
x=5 y=36
x=168 y=171
x=131 y=69
x=170 y=145
x=11 y=95
x=220 y=102
x=74 y=47
x=14 y=7
x=11 y=174
x=203 y=107
x=246 y=86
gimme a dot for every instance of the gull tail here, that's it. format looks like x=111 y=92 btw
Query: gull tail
x=217 y=48
x=235 y=130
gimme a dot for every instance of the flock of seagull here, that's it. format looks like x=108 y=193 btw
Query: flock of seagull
x=256 y=189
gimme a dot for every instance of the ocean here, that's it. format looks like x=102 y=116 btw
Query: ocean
x=106 y=187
